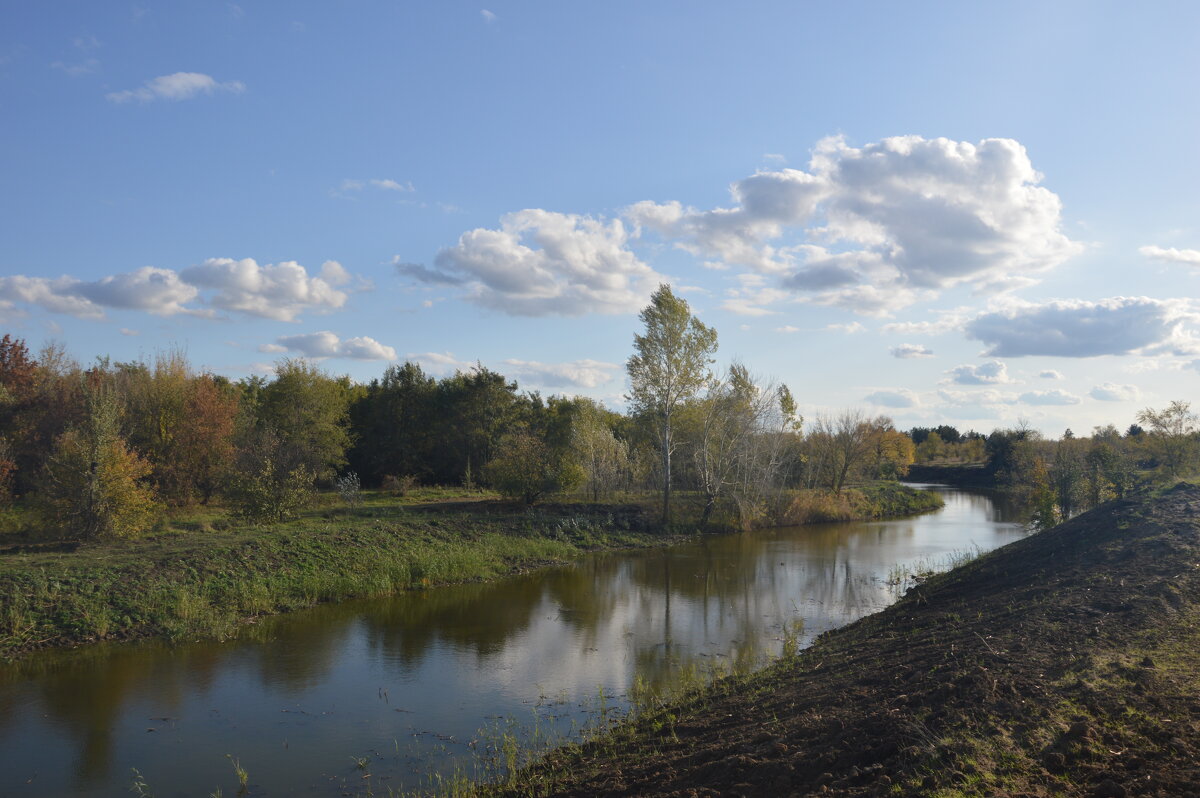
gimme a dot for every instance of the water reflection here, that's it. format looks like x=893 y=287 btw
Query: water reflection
x=409 y=680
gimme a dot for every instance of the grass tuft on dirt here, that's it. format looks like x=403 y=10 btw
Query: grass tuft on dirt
x=1067 y=663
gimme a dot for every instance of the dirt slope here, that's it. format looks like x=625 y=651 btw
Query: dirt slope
x=1067 y=663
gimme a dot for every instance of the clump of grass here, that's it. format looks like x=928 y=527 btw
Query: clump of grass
x=242 y=776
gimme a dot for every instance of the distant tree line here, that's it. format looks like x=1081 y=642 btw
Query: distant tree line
x=101 y=450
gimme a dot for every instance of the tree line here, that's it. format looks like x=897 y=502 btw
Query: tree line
x=101 y=450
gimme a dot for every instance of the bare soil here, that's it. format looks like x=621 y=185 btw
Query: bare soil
x=1067 y=663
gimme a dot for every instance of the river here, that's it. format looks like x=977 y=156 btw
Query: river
x=384 y=695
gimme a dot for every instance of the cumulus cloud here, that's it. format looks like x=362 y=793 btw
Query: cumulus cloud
x=765 y=204
x=177 y=86
x=906 y=214
x=1050 y=374
x=991 y=373
x=576 y=374
x=850 y=329
x=157 y=291
x=275 y=291
x=1054 y=397
x=423 y=274
x=907 y=351
x=1077 y=328
x=279 y=291
x=325 y=344
x=540 y=263
x=897 y=398
x=947 y=321
x=1113 y=392
x=988 y=396
x=1191 y=257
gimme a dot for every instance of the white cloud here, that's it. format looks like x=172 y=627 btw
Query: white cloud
x=988 y=396
x=324 y=344
x=1113 y=392
x=746 y=307
x=787 y=328
x=1077 y=328
x=1054 y=397
x=947 y=321
x=991 y=373
x=906 y=351
x=1191 y=257
x=382 y=183
x=867 y=300
x=488 y=16
x=177 y=86
x=849 y=329
x=576 y=374
x=439 y=363
x=280 y=291
x=897 y=398
x=128 y=331
x=1050 y=374
x=905 y=214
x=157 y=291
x=542 y=263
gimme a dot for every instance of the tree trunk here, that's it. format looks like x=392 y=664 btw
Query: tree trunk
x=666 y=470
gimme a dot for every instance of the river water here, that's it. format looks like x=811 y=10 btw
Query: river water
x=365 y=697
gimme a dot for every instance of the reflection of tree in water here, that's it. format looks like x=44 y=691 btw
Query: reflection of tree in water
x=295 y=653
x=479 y=617
x=85 y=691
x=588 y=593
x=738 y=589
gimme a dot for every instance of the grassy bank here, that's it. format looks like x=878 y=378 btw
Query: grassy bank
x=202 y=576
x=860 y=503
x=1067 y=663
x=202 y=579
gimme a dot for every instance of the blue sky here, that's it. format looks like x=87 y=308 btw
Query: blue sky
x=946 y=212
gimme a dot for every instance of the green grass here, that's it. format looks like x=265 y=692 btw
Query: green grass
x=201 y=574
x=203 y=577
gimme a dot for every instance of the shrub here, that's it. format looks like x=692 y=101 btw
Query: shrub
x=527 y=469
x=399 y=486
x=268 y=485
x=349 y=488
x=94 y=485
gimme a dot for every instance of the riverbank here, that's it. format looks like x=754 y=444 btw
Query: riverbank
x=210 y=583
x=1067 y=663
x=209 y=580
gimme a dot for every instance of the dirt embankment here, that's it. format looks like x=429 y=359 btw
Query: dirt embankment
x=1067 y=663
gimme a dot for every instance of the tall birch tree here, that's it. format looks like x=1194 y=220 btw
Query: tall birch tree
x=669 y=366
